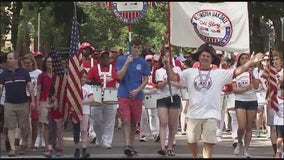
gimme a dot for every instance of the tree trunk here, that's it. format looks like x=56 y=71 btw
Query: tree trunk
x=277 y=28
x=17 y=6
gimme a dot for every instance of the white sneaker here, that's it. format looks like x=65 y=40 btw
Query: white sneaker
x=219 y=139
x=37 y=142
x=246 y=154
x=239 y=149
x=143 y=138
x=42 y=143
x=107 y=146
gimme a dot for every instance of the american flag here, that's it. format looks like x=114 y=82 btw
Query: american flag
x=74 y=87
x=60 y=80
x=271 y=76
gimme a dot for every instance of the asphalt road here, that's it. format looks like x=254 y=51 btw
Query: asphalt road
x=259 y=148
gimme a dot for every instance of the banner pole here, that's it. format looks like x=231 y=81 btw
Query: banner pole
x=129 y=38
x=169 y=30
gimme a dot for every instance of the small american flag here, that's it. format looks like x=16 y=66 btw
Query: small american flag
x=74 y=87
x=271 y=76
x=60 y=80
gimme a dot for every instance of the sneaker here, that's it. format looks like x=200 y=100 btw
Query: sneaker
x=107 y=146
x=59 y=154
x=7 y=145
x=183 y=133
x=17 y=142
x=235 y=144
x=85 y=154
x=77 y=153
x=104 y=145
x=246 y=154
x=157 y=138
x=239 y=149
x=257 y=134
x=33 y=148
x=143 y=138
x=22 y=150
x=137 y=130
x=12 y=153
x=100 y=144
x=219 y=139
x=93 y=141
x=48 y=154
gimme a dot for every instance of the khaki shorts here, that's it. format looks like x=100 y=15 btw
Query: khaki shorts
x=43 y=111
x=201 y=129
x=15 y=114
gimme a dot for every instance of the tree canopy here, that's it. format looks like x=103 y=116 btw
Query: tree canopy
x=99 y=26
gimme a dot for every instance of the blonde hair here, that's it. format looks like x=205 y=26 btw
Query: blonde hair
x=30 y=57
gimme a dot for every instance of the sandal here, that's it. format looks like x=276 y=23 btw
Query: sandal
x=128 y=151
x=171 y=153
x=162 y=152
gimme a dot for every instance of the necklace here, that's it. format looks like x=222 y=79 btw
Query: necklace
x=204 y=81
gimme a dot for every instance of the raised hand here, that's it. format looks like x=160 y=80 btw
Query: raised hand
x=255 y=58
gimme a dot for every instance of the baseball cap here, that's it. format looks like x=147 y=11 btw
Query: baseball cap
x=103 y=52
x=35 y=54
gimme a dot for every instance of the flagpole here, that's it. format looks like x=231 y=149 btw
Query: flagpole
x=75 y=9
x=170 y=60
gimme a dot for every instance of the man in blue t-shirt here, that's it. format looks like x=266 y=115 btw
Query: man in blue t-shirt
x=16 y=80
x=133 y=72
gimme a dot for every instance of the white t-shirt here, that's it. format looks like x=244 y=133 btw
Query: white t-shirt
x=242 y=80
x=2 y=101
x=161 y=75
x=87 y=92
x=204 y=90
x=34 y=74
x=261 y=91
x=278 y=117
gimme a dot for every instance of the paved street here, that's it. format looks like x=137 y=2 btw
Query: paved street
x=260 y=148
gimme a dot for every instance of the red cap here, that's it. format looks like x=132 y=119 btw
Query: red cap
x=87 y=45
x=37 y=54
x=104 y=52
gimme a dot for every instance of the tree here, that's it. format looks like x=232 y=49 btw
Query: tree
x=265 y=12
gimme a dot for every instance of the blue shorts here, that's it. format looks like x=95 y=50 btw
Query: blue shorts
x=166 y=102
x=247 y=105
x=280 y=131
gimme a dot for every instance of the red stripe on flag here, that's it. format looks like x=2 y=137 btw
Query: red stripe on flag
x=74 y=88
x=271 y=95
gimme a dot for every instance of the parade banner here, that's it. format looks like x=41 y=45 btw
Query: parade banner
x=225 y=25
x=129 y=12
